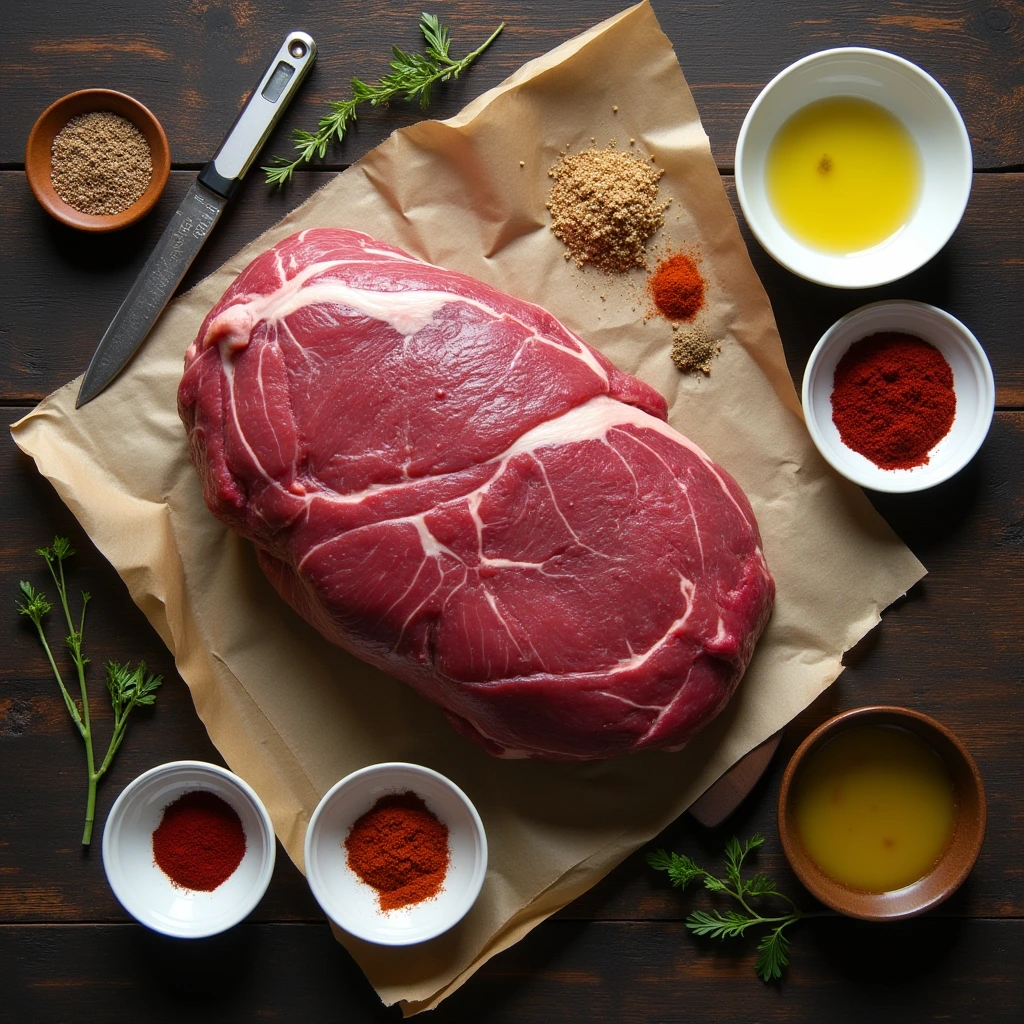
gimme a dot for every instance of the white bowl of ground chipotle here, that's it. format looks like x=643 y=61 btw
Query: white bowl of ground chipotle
x=898 y=396
x=395 y=854
x=188 y=849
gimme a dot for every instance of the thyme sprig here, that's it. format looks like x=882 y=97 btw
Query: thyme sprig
x=773 y=949
x=128 y=687
x=412 y=76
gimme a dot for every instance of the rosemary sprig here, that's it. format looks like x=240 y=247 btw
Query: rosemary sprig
x=773 y=949
x=412 y=76
x=128 y=687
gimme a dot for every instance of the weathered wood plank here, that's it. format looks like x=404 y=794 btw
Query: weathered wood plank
x=58 y=295
x=842 y=971
x=193 y=64
x=953 y=648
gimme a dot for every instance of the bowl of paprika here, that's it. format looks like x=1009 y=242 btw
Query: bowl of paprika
x=188 y=849
x=395 y=854
x=898 y=396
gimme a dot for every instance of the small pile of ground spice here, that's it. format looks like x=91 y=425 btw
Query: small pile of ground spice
x=893 y=399
x=604 y=207
x=199 y=842
x=400 y=849
x=693 y=350
x=100 y=163
x=677 y=288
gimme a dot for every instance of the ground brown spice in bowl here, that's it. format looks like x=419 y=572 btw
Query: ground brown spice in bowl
x=604 y=207
x=101 y=163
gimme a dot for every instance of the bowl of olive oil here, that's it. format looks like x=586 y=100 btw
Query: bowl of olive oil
x=853 y=167
x=882 y=813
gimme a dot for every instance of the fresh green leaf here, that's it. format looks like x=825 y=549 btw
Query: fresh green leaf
x=713 y=884
x=33 y=603
x=759 y=885
x=436 y=37
x=733 y=862
x=681 y=869
x=772 y=955
x=62 y=548
x=718 y=924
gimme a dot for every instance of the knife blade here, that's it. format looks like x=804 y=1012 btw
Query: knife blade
x=197 y=214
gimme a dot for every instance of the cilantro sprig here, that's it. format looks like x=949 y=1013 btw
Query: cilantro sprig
x=773 y=949
x=412 y=76
x=129 y=688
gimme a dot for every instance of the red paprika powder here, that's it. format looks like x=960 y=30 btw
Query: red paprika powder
x=199 y=842
x=677 y=288
x=893 y=399
x=401 y=849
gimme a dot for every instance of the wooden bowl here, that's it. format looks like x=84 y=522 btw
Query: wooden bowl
x=954 y=865
x=52 y=120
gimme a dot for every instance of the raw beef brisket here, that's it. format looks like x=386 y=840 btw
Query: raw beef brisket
x=448 y=483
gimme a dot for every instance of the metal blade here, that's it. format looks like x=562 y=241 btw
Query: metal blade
x=181 y=241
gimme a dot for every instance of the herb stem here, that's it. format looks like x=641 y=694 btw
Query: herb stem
x=412 y=75
x=470 y=57
x=127 y=688
x=69 y=703
x=772 y=950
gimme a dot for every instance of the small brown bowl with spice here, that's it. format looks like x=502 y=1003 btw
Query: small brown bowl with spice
x=97 y=160
x=882 y=813
x=395 y=853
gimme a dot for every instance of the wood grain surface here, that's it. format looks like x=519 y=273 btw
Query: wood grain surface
x=952 y=647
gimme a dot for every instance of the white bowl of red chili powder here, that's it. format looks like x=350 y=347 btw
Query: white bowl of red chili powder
x=188 y=849
x=395 y=853
x=898 y=396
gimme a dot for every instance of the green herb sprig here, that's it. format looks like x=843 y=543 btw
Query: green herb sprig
x=412 y=76
x=773 y=949
x=128 y=687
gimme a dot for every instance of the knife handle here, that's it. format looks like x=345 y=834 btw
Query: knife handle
x=279 y=83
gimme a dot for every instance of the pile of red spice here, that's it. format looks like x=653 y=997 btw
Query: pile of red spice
x=199 y=842
x=677 y=287
x=400 y=848
x=893 y=399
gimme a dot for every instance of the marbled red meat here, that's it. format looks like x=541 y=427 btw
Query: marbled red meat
x=451 y=485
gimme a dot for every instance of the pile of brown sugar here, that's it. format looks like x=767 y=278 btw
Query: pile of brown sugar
x=100 y=163
x=604 y=207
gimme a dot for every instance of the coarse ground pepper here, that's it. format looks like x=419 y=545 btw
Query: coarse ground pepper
x=693 y=350
x=400 y=849
x=893 y=399
x=199 y=842
x=100 y=163
x=677 y=287
x=604 y=207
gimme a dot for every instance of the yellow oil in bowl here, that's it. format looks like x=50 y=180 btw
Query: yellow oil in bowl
x=843 y=175
x=875 y=808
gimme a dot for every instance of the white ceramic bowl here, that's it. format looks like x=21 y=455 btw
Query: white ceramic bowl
x=972 y=382
x=924 y=108
x=145 y=891
x=349 y=901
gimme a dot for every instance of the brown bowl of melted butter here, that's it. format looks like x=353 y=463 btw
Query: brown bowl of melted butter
x=882 y=813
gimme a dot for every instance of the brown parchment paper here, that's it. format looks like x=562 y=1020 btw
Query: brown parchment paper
x=292 y=714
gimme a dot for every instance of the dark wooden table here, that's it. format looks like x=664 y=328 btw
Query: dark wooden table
x=952 y=647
